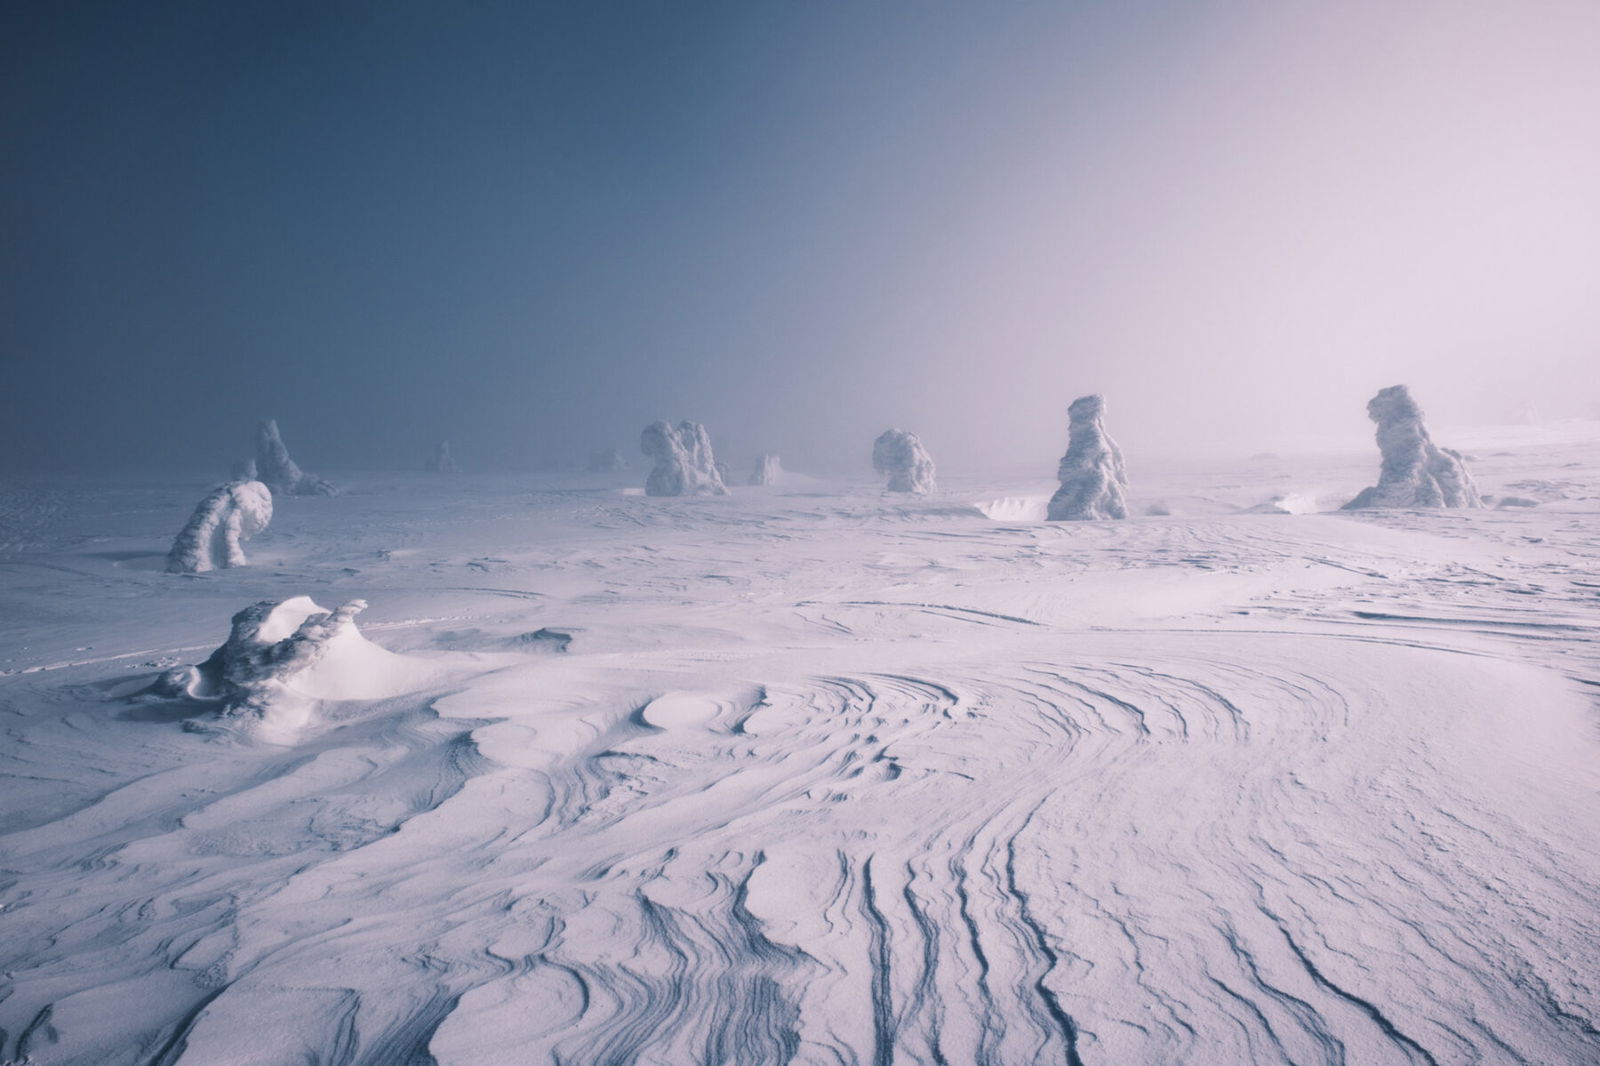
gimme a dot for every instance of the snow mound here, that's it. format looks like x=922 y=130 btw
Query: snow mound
x=1014 y=508
x=1416 y=472
x=441 y=461
x=278 y=471
x=1093 y=480
x=685 y=465
x=768 y=470
x=213 y=538
x=607 y=461
x=899 y=455
x=282 y=658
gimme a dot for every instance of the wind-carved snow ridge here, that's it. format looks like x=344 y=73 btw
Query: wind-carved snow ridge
x=280 y=473
x=607 y=461
x=1091 y=473
x=685 y=465
x=768 y=470
x=899 y=455
x=441 y=461
x=284 y=656
x=1416 y=472
x=213 y=538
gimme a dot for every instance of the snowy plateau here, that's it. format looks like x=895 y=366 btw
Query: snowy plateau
x=810 y=773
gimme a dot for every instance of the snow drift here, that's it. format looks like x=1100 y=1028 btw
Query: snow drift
x=213 y=538
x=282 y=657
x=1416 y=472
x=278 y=471
x=684 y=463
x=899 y=455
x=1092 y=476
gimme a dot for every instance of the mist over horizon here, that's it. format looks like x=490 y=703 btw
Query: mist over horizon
x=534 y=229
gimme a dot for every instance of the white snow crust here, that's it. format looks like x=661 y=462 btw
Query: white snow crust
x=1093 y=479
x=684 y=463
x=819 y=777
x=214 y=536
x=898 y=454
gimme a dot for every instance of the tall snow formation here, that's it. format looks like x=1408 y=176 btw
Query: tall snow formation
x=1416 y=472
x=607 y=461
x=900 y=456
x=1093 y=480
x=280 y=658
x=279 y=472
x=767 y=470
x=441 y=461
x=685 y=465
x=213 y=538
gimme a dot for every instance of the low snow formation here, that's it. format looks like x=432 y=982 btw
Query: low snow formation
x=281 y=658
x=280 y=473
x=213 y=538
x=1416 y=472
x=607 y=461
x=1091 y=473
x=684 y=463
x=767 y=470
x=442 y=462
x=900 y=456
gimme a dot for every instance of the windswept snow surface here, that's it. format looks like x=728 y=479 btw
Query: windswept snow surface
x=819 y=777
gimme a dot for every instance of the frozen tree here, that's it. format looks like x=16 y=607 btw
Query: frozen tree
x=607 y=461
x=262 y=675
x=279 y=472
x=213 y=538
x=441 y=461
x=1416 y=472
x=684 y=465
x=900 y=456
x=1091 y=473
x=767 y=470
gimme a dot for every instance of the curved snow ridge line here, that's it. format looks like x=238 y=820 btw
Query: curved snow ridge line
x=924 y=606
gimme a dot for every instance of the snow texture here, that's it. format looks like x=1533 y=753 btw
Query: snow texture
x=768 y=470
x=684 y=464
x=607 y=461
x=278 y=471
x=1416 y=472
x=441 y=462
x=900 y=456
x=214 y=535
x=1093 y=480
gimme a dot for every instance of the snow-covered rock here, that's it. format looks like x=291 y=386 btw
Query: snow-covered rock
x=899 y=455
x=1416 y=472
x=280 y=473
x=684 y=464
x=1093 y=480
x=767 y=470
x=607 y=461
x=441 y=461
x=213 y=538
x=282 y=657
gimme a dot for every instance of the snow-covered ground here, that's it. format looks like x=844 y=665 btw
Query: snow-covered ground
x=821 y=776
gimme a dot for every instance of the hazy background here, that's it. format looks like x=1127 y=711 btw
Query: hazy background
x=533 y=228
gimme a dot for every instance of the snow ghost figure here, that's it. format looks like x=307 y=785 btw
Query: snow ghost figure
x=607 y=461
x=267 y=673
x=684 y=463
x=767 y=470
x=279 y=472
x=245 y=470
x=901 y=456
x=1416 y=472
x=212 y=540
x=1091 y=473
x=441 y=461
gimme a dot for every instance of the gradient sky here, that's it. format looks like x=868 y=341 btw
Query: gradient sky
x=532 y=228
